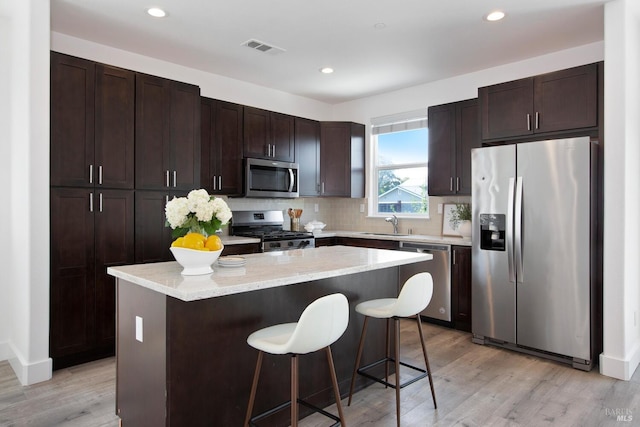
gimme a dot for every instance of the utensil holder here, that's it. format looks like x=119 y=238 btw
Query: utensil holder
x=295 y=224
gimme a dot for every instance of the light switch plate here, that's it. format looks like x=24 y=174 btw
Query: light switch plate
x=361 y=207
x=138 y=328
x=440 y=208
x=315 y=207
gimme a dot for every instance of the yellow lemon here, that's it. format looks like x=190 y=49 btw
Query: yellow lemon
x=193 y=241
x=179 y=242
x=213 y=243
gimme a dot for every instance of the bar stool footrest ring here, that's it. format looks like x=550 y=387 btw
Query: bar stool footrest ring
x=269 y=412
x=362 y=371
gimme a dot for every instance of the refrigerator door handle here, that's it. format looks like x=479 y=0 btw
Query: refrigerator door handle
x=518 y=231
x=509 y=236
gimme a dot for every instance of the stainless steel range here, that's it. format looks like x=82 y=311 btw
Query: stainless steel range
x=268 y=226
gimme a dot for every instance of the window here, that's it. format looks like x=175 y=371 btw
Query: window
x=399 y=172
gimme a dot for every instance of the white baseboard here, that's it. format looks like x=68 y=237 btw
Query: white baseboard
x=621 y=369
x=27 y=373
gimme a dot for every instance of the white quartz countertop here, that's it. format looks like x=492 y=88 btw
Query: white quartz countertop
x=264 y=270
x=238 y=240
x=416 y=238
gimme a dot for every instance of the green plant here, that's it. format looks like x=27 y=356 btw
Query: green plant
x=462 y=212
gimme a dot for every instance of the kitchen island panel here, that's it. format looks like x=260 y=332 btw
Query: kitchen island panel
x=209 y=365
x=140 y=365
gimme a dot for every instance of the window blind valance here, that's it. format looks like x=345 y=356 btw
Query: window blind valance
x=409 y=120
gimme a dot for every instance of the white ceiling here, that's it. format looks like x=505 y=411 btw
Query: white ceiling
x=422 y=41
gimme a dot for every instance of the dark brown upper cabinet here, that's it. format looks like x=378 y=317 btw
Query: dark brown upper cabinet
x=268 y=135
x=342 y=168
x=167 y=134
x=454 y=129
x=92 y=124
x=307 y=137
x=561 y=101
x=221 y=148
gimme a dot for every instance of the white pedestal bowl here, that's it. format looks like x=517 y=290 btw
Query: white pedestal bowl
x=195 y=262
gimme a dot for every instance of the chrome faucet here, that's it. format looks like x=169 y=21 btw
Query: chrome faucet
x=393 y=220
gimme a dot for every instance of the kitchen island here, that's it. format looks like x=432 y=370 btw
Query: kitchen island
x=182 y=356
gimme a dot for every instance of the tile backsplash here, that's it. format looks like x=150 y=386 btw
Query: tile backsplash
x=344 y=214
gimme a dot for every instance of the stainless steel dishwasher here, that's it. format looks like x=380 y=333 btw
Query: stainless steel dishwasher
x=440 y=269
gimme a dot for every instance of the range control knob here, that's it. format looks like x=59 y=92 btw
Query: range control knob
x=290 y=244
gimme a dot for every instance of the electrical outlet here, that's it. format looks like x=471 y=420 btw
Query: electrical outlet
x=316 y=208
x=139 y=328
x=361 y=207
x=440 y=208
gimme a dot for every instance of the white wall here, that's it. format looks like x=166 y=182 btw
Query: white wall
x=211 y=85
x=621 y=354
x=464 y=86
x=24 y=268
x=5 y=152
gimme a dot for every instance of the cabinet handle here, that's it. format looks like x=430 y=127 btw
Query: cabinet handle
x=100 y=203
x=537 y=120
x=175 y=178
x=219 y=182
x=268 y=150
x=457 y=183
x=454 y=257
x=322 y=190
x=166 y=199
x=90 y=174
x=450 y=183
x=213 y=179
x=166 y=176
x=273 y=152
x=100 y=175
x=528 y=121
x=90 y=202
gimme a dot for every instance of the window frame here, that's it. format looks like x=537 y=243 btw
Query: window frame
x=375 y=169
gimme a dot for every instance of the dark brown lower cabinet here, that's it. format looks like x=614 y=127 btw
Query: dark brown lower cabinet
x=153 y=238
x=248 y=248
x=461 y=287
x=367 y=243
x=325 y=241
x=90 y=230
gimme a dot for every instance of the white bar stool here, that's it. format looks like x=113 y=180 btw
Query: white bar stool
x=319 y=326
x=414 y=297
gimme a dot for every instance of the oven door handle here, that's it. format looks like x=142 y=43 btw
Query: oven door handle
x=292 y=179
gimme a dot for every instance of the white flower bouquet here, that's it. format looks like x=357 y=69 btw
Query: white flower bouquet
x=198 y=212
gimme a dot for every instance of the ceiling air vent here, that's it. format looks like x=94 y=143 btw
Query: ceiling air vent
x=263 y=47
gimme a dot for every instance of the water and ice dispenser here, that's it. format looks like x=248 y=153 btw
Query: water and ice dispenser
x=492 y=232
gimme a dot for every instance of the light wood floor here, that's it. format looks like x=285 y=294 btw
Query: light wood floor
x=475 y=386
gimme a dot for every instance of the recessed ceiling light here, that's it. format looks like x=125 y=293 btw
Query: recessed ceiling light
x=326 y=70
x=495 y=15
x=156 y=12
x=380 y=26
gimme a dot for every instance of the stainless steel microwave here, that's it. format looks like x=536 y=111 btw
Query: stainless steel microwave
x=270 y=178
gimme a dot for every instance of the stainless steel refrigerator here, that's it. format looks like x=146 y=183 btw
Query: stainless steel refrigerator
x=533 y=285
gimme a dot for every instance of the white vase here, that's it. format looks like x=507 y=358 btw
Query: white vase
x=464 y=228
